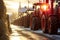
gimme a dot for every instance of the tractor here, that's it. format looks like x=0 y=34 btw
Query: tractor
x=44 y=17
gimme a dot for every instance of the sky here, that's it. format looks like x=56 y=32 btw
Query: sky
x=24 y=2
x=14 y=4
x=31 y=1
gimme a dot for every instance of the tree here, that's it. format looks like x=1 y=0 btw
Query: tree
x=3 y=21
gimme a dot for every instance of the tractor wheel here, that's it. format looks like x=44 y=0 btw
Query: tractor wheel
x=52 y=25
x=43 y=24
x=34 y=24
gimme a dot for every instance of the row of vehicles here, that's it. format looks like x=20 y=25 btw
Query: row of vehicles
x=44 y=17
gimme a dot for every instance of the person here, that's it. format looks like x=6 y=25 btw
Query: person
x=3 y=26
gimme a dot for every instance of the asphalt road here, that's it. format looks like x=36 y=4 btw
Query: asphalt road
x=19 y=33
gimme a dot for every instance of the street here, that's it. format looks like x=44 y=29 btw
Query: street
x=23 y=34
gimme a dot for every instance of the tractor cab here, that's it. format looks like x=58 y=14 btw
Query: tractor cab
x=35 y=17
x=41 y=8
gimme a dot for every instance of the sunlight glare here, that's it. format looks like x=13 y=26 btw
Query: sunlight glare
x=14 y=38
x=26 y=4
x=15 y=33
x=12 y=4
x=24 y=14
x=14 y=27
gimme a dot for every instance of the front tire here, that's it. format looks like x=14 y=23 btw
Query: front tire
x=43 y=24
x=35 y=23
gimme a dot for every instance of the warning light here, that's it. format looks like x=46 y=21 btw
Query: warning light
x=44 y=7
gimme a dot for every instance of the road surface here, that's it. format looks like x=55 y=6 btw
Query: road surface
x=19 y=33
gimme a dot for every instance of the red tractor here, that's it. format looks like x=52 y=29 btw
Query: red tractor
x=35 y=20
x=44 y=17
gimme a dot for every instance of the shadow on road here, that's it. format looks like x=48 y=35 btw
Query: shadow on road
x=26 y=35
x=33 y=35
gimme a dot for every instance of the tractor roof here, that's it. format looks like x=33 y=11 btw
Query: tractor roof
x=38 y=3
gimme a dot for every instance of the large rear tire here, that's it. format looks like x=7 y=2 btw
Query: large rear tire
x=53 y=24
